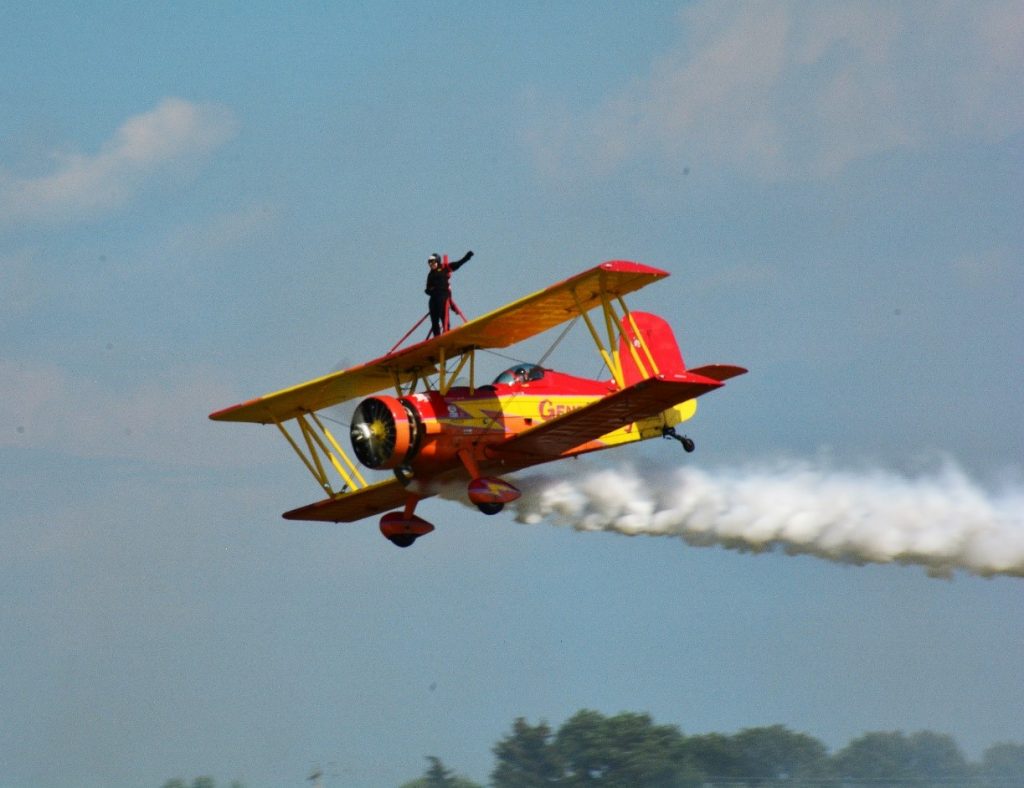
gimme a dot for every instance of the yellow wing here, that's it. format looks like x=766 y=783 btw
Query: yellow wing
x=552 y=306
x=527 y=317
x=352 y=506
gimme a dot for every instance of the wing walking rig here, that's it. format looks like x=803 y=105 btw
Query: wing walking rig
x=432 y=432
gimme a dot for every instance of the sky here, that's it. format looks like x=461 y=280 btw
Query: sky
x=201 y=203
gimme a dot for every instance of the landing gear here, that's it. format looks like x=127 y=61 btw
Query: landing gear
x=403 y=540
x=670 y=432
x=488 y=492
x=402 y=529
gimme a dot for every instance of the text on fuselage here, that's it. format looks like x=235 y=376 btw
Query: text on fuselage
x=551 y=410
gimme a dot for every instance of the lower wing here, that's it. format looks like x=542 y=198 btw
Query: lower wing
x=351 y=506
x=639 y=401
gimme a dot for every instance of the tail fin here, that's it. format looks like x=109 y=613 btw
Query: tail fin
x=661 y=357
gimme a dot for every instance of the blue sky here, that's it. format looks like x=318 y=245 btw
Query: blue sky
x=203 y=203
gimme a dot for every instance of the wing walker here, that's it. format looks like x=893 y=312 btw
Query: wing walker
x=431 y=432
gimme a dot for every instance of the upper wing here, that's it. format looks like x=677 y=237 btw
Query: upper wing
x=352 y=506
x=553 y=306
x=319 y=393
x=513 y=323
x=639 y=401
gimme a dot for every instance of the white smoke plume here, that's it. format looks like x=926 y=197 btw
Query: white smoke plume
x=942 y=521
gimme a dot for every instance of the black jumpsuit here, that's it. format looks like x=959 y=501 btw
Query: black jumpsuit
x=439 y=289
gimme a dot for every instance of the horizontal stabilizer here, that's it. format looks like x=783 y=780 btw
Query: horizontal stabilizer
x=639 y=401
x=721 y=372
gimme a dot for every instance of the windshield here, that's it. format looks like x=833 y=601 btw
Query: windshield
x=520 y=373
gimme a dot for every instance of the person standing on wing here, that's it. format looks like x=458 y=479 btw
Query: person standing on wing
x=439 y=289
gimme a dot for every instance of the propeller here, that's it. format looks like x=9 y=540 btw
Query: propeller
x=381 y=432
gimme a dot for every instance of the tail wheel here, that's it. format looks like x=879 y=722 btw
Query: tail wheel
x=490 y=508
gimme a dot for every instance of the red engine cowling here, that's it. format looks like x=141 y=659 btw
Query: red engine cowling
x=385 y=432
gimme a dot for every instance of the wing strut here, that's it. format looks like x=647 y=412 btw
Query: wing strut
x=322 y=445
x=614 y=328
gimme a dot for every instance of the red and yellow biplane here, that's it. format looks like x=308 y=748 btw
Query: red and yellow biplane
x=432 y=431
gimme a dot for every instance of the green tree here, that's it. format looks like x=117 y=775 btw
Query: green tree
x=714 y=756
x=776 y=753
x=526 y=758
x=924 y=758
x=935 y=757
x=1003 y=763
x=875 y=756
x=626 y=750
x=198 y=782
x=438 y=776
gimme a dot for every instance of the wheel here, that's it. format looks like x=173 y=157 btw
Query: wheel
x=403 y=540
x=490 y=508
x=688 y=445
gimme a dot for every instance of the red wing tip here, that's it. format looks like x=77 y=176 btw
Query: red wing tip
x=225 y=413
x=630 y=267
x=303 y=512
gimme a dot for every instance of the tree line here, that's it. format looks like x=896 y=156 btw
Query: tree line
x=629 y=750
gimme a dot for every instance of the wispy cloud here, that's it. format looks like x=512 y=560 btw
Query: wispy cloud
x=992 y=267
x=172 y=135
x=19 y=287
x=803 y=88
x=162 y=419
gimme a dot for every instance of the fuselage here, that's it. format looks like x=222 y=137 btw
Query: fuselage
x=432 y=430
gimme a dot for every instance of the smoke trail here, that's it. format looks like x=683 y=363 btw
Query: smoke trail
x=943 y=521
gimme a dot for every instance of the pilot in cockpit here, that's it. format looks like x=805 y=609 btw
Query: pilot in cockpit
x=520 y=374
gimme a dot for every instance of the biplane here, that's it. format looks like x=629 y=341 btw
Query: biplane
x=436 y=429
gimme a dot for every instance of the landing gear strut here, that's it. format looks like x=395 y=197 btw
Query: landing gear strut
x=670 y=432
x=488 y=493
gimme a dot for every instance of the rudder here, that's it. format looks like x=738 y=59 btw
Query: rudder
x=662 y=355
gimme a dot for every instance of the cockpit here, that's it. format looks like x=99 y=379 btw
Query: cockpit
x=520 y=373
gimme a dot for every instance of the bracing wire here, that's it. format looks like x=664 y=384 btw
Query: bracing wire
x=555 y=344
x=540 y=363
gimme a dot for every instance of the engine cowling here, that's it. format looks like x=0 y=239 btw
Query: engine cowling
x=385 y=432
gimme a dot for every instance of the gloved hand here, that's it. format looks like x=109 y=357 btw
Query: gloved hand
x=469 y=255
